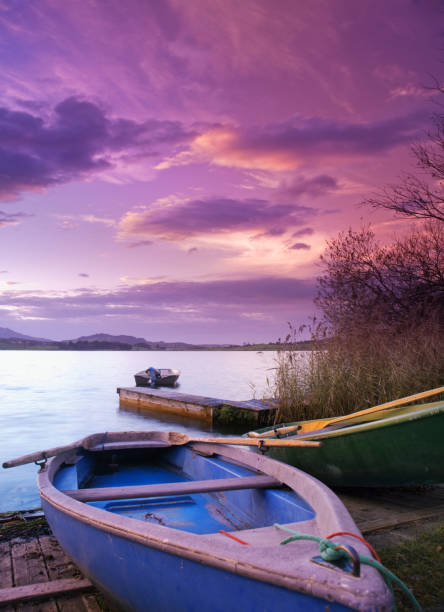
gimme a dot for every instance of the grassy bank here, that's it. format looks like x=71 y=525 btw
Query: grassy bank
x=420 y=565
x=356 y=370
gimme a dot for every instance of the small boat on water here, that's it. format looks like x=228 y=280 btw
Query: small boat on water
x=161 y=526
x=384 y=446
x=153 y=377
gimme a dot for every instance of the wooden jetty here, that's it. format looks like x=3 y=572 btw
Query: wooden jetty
x=212 y=410
x=36 y=575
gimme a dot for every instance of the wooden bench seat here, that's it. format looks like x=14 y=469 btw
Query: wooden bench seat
x=173 y=488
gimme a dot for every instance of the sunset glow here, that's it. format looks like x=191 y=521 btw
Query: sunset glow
x=173 y=169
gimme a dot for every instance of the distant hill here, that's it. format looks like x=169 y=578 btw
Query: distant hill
x=10 y=334
x=132 y=340
x=110 y=338
x=12 y=340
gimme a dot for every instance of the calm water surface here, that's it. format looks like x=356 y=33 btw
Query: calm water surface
x=52 y=398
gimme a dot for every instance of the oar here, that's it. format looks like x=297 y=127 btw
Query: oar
x=176 y=438
x=44 y=454
x=95 y=442
x=307 y=426
x=126 y=440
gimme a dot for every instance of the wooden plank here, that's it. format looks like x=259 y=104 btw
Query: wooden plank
x=400 y=519
x=410 y=501
x=80 y=603
x=5 y=566
x=58 y=564
x=29 y=568
x=27 y=565
x=43 y=589
x=174 y=488
x=5 y=571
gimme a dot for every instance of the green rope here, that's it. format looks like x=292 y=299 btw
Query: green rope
x=327 y=552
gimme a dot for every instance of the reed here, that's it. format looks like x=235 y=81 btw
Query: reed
x=356 y=369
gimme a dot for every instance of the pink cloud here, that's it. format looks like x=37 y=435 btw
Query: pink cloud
x=79 y=140
x=213 y=215
x=314 y=187
x=288 y=144
x=12 y=218
x=173 y=306
x=298 y=246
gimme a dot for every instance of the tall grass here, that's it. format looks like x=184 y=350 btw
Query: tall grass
x=356 y=369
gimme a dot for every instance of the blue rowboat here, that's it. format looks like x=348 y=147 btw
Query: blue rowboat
x=192 y=527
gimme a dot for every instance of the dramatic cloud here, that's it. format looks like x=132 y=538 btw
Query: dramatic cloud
x=78 y=139
x=313 y=187
x=300 y=246
x=11 y=218
x=140 y=243
x=168 y=300
x=287 y=111
x=179 y=220
x=305 y=231
x=288 y=144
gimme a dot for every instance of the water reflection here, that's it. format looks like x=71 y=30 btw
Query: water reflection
x=167 y=421
x=53 y=398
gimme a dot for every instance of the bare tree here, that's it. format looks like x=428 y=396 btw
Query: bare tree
x=366 y=285
x=421 y=198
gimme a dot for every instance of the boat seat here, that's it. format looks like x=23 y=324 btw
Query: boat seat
x=173 y=488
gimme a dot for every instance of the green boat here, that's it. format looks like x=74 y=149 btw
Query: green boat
x=401 y=446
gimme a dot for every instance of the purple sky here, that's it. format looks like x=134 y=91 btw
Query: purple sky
x=173 y=169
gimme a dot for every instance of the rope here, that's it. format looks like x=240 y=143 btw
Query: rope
x=233 y=537
x=355 y=535
x=329 y=552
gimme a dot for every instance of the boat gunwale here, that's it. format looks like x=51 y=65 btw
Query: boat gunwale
x=228 y=555
x=388 y=421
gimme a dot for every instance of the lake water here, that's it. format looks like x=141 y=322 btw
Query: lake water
x=50 y=398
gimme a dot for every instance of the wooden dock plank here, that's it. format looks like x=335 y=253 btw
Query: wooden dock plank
x=210 y=409
x=37 y=576
x=5 y=571
x=80 y=603
x=397 y=520
x=384 y=509
x=59 y=566
x=39 y=590
x=28 y=569
x=26 y=563
x=5 y=566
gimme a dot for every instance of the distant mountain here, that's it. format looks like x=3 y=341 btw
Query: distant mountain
x=14 y=340
x=110 y=338
x=10 y=334
x=132 y=340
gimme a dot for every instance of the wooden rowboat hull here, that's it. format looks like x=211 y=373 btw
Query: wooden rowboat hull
x=166 y=553
x=403 y=448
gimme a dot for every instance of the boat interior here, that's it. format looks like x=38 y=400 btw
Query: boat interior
x=181 y=488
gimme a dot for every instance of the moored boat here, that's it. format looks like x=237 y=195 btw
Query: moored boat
x=154 y=377
x=398 y=446
x=192 y=527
